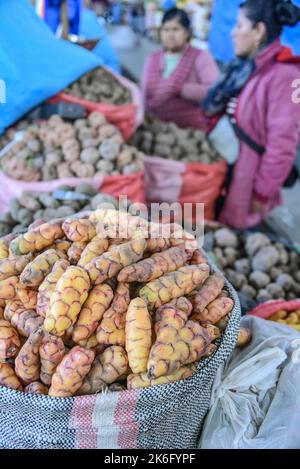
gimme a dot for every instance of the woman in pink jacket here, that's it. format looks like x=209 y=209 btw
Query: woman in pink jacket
x=178 y=77
x=257 y=90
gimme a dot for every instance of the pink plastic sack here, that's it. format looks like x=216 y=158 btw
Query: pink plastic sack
x=172 y=181
x=269 y=308
x=126 y=117
x=131 y=185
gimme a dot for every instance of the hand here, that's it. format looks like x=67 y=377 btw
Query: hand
x=258 y=206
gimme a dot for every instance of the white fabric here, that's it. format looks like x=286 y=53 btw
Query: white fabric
x=256 y=399
x=224 y=140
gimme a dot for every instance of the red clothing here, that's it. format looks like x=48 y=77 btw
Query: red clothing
x=267 y=113
x=178 y=97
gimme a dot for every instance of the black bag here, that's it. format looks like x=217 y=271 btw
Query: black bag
x=294 y=174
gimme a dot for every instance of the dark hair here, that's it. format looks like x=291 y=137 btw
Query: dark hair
x=180 y=15
x=275 y=14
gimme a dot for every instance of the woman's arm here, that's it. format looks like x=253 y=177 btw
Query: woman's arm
x=207 y=72
x=282 y=123
x=156 y=93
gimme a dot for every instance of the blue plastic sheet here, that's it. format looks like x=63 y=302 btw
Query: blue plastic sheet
x=291 y=36
x=52 y=14
x=224 y=16
x=90 y=28
x=34 y=65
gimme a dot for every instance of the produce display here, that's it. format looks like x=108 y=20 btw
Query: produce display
x=122 y=313
x=289 y=318
x=167 y=140
x=56 y=148
x=63 y=202
x=257 y=267
x=100 y=86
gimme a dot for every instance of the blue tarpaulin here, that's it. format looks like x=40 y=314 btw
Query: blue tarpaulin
x=291 y=36
x=90 y=28
x=34 y=65
x=224 y=16
x=52 y=14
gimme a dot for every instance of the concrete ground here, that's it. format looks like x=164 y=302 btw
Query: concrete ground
x=285 y=219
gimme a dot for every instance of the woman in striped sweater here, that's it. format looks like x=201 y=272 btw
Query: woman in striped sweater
x=177 y=77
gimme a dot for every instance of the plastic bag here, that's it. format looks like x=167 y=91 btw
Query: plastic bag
x=255 y=400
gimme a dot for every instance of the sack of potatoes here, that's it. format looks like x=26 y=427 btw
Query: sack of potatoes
x=58 y=149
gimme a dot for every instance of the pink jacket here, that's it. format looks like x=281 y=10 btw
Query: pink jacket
x=268 y=114
x=178 y=97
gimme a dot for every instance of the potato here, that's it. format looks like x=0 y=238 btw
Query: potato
x=54 y=158
x=87 y=189
x=249 y=291
x=25 y=217
x=291 y=296
x=80 y=123
x=90 y=143
x=276 y=291
x=275 y=272
x=4 y=229
x=96 y=119
x=131 y=168
x=255 y=242
x=14 y=208
x=49 y=173
x=48 y=201
x=29 y=202
x=106 y=166
x=285 y=281
x=103 y=199
x=231 y=255
x=109 y=149
x=283 y=254
x=266 y=258
x=226 y=238
x=124 y=158
x=89 y=155
x=237 y=280
x=259 y=280
x=263 y=295
x=220 y=258
x=242 y=266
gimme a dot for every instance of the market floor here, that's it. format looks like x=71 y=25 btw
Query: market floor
x=133 y=53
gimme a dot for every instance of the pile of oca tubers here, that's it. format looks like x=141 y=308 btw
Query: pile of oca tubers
x=108 y=301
